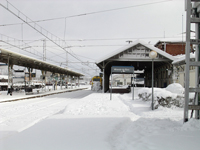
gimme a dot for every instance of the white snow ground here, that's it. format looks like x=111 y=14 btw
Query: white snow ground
x=87 y=120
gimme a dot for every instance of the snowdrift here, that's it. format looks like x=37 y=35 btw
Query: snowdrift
x=172 y=95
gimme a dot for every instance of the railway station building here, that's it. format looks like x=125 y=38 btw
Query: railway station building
x=136 y=54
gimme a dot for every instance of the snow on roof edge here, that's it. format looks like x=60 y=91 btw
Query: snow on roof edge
x=133 y=44
x=181 y=59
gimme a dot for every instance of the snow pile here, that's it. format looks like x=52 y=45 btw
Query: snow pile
x=192 y=125
x=145 y=93
x=175 y=88
x=171 y=95
x=96 y=86
x=97 y=104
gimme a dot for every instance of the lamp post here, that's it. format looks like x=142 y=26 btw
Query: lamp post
x=152 y=55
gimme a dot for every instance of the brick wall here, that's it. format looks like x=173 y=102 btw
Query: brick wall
x=175 y=49
x=172 y=48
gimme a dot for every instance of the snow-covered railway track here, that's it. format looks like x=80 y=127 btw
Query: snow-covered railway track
x=20 y=115
x=41 y=95
x=33 y=110
x=24 y=107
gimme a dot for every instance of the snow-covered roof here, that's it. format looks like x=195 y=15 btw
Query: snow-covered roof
x=170 y=41
x=180 y=59
x=133 y=44
x=23 y=60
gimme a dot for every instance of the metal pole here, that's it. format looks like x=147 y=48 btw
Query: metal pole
x=74 y=81
x=78 y=82
x=103 y=77
x=197 y=113
x=9 y=87
x=44 y=50
x=60 y=81
x=45 y=81
x=66 y=59
x=132 y=87
x=24 y=80
x=197 y=70
x=29 y=71
x=42 y=80
x=67 y=81
x=152 y=84
x=71 y=82
x=111 y=88
x=187 y=59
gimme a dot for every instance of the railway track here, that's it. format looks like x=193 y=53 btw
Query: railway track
x=18 y=116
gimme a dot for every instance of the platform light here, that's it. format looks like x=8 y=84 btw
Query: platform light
x=152 y=55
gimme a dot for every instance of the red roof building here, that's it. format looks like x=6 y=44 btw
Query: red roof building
x=172 y=48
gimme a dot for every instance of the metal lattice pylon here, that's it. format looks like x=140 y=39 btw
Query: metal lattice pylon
x=192 y=16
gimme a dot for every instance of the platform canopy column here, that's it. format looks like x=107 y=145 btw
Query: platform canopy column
x=10 y=66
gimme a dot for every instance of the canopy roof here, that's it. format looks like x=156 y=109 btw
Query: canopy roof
x=22 y=60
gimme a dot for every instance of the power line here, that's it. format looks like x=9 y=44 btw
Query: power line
x=85 y=57
x=82 y=46
x=112 y=39
x=24 y=49
x=60 y=55
x=90 y=13
x=50 y=59
x=25 y=46
x=38 y=28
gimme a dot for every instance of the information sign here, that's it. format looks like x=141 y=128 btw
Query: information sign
x=122 y=69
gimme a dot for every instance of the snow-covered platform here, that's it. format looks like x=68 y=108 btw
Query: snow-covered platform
x=16 y=96
x=88 y=120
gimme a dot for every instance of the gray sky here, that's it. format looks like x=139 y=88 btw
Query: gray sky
x=93 y=35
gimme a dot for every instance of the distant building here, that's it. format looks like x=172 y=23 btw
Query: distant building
x=171 y=47
x=179 y=70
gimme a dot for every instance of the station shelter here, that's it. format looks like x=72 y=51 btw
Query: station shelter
x=136 y=54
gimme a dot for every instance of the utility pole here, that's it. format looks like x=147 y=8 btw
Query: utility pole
x=44 y=50
x=196 y=11
x=192 y=16
x=66 y=59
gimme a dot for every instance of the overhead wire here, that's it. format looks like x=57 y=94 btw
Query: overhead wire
x=60 y=55
x=40 y=56
x=115 y=39
x=90 y=13
x=39 y=29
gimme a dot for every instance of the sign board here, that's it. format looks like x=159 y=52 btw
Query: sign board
x=122 y=69
x=193 y=107
x=195 y=41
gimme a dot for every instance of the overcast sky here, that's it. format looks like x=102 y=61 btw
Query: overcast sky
x=92 y=28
